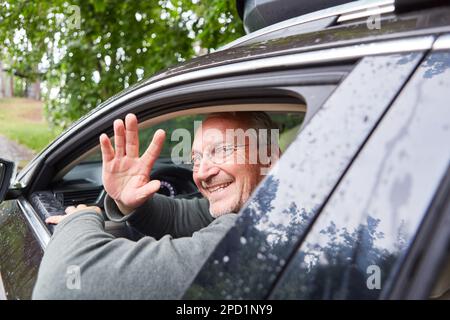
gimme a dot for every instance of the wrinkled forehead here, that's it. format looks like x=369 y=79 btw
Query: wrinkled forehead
x=213 y=131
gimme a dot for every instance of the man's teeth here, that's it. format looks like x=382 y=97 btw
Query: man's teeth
x=219 y=187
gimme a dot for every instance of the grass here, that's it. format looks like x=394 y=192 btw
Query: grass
x=22 y=120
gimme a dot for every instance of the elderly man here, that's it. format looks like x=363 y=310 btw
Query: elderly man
x=82 y=261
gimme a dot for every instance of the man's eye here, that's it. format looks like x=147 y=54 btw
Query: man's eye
x=228 y=150
x=216 y=153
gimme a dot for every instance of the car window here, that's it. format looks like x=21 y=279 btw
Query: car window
x=288 y=123
x=279 y=212
x=83 y=183
x=366 y=228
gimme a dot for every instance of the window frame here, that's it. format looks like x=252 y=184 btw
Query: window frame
x=272 y=87
x=282 y=86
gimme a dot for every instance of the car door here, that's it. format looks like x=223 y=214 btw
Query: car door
x=252 y=257
x=368 y=241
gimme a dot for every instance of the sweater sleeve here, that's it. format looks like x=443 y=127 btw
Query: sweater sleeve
x=82 y=261
x=162 y=215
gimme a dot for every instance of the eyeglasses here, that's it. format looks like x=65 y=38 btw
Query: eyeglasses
x=218 y=155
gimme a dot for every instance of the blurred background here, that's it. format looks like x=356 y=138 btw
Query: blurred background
x=61 y=59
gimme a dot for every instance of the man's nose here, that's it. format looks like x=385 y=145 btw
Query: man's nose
x=207 y=169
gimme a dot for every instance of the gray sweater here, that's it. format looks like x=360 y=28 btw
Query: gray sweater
x=82 y=261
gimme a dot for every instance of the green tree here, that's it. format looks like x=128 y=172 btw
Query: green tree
x=88 y=50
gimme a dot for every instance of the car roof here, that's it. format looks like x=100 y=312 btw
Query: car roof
x=339 y=34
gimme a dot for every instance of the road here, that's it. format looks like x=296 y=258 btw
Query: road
x=13 y=151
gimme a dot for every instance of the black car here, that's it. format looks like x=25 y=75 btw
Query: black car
x=358 y=206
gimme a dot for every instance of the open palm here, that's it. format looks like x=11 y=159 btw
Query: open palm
x=126 y=176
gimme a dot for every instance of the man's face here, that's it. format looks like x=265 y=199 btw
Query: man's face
x=226 y=185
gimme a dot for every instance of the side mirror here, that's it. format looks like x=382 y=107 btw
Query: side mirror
x=6 y=171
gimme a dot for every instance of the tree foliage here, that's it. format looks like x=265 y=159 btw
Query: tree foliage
x=87 y=50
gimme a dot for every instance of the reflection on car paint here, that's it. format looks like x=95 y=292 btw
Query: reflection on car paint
x=20 y=253
x=309 y=41
x=284 y=205
x=375 y=212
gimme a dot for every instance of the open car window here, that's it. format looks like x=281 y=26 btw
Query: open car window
x=290 y=97
x=289 y=124
x=83 y=184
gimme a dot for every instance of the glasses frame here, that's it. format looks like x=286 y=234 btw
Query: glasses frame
x=212 y=157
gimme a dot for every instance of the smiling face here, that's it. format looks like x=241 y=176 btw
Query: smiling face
x=227 y=185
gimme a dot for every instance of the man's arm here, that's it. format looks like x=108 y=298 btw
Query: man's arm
x=82 y=261
x=162 y=215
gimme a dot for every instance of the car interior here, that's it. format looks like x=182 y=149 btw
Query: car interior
x=80 y=182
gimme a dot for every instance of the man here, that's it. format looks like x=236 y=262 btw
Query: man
x=82 y=261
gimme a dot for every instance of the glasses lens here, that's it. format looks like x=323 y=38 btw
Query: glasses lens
x=221 y=153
